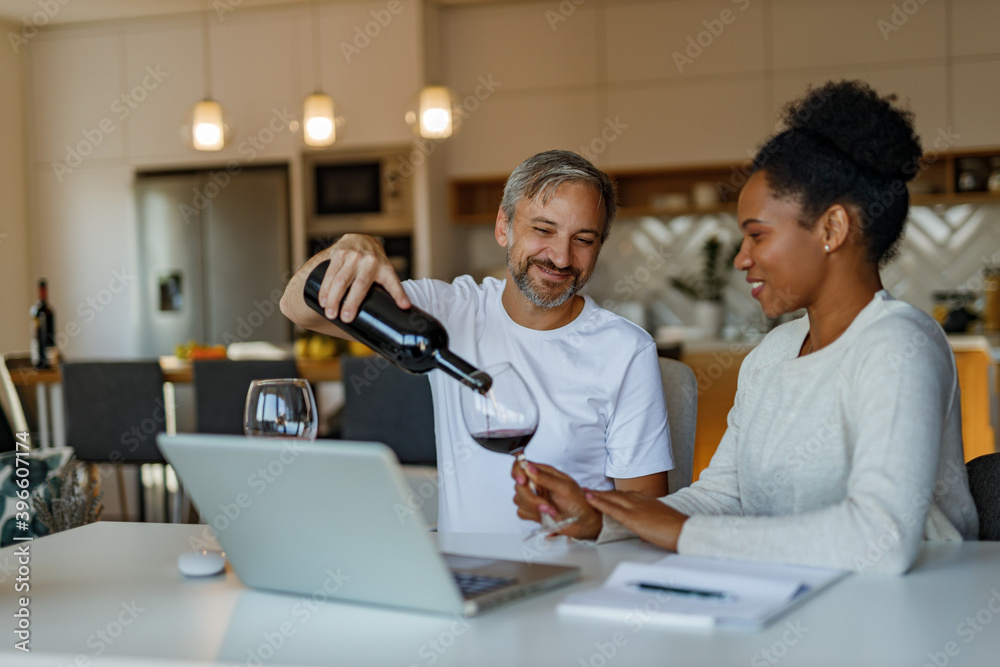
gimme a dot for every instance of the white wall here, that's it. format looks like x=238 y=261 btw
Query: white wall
x=600 y=77
x=261 y=68
x=16 y=286
x=564 y=75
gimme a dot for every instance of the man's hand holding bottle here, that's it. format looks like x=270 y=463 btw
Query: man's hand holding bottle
x=356 y=261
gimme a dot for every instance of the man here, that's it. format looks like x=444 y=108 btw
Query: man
x=595 y=375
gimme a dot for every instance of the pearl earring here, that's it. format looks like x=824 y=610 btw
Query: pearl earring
x=827 y=248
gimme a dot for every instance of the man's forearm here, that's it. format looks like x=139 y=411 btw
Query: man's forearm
x=654 y=486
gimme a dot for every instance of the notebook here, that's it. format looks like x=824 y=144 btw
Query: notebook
x=697 y=592
x=333 y=518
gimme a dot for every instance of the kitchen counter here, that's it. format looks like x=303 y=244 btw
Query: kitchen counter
x=716 y=365
x=987 y=342
x=176 y=370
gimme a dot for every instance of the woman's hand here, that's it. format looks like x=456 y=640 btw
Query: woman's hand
x=558 y=496
x=647 y=517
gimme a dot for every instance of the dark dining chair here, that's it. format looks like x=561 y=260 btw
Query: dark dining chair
x=220 y=390
x=113 y=411
x=984 y=483
x=383 y=403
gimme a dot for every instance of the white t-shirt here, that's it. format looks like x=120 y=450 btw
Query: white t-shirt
x=597 y=382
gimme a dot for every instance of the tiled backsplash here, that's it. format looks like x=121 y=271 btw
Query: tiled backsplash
x=945 y=248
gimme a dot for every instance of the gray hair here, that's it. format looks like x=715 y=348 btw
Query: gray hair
x=541 y=174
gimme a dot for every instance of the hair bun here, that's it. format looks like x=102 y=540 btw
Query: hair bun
x=850 y=118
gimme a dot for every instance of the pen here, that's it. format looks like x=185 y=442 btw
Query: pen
x=713 y=595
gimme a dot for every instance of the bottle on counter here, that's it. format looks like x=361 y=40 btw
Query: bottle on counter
x=43 y=336
x=972 y=175
x=993 y=182
x=412 y=339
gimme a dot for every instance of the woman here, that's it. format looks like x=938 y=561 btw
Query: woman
x=844 y=444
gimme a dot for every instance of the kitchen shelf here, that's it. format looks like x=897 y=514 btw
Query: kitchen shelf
x=668 y=191
x=640 y=192
x=476 y=200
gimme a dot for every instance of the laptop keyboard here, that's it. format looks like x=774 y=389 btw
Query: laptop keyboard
x=477 y=584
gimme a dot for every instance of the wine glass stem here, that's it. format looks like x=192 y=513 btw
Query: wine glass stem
x=523 y=462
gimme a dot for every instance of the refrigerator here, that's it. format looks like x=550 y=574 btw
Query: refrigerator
x=214 y=257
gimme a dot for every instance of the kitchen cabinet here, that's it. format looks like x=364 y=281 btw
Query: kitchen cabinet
x=717 y=365
x=640 y=192
x=713 y=188
x=716 y=368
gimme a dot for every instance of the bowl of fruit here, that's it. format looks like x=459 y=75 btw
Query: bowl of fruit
x=195 y=351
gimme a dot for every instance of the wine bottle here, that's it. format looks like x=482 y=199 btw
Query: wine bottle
x=412 y=339
x=43 y=338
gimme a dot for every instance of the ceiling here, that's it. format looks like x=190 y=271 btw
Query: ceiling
x=80 y=11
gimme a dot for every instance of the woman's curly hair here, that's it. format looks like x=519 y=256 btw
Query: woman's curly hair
x=844 y=144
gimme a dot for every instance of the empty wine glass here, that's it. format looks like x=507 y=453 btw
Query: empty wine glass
x=503 y=420
x=283 y=408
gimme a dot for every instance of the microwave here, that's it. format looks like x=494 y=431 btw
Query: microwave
x=349 y=188
x=359 y=191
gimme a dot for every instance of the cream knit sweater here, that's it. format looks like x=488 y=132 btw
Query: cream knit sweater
x=845 y=458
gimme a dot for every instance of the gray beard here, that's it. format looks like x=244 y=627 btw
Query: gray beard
x=539 y=299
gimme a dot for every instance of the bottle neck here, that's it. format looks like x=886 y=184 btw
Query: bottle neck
x=43 y=292
x=462 y=371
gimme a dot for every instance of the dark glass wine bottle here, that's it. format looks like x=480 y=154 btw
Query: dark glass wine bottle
x=43 y=338
x=412 y=339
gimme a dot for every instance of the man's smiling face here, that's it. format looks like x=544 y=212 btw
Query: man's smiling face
x=552 y=246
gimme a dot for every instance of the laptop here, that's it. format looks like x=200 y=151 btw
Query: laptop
x=331 y=518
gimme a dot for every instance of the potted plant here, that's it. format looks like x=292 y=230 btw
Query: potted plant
x=65 y=501
x=707 y=288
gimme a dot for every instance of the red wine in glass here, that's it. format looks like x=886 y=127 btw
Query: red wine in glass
x=503 y=419
x=504 y=441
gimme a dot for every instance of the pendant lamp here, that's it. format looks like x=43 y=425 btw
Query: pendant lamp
x=207 y=129
x=435 y=112
x=319 y=125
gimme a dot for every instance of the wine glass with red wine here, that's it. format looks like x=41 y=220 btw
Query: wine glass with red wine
x=504 y=419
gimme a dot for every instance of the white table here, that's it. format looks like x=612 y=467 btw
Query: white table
x=111 y=594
